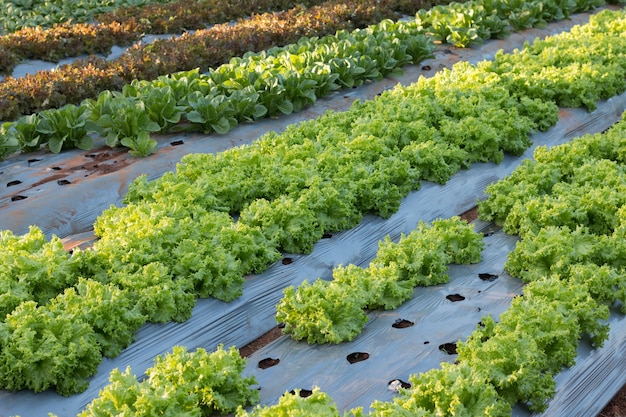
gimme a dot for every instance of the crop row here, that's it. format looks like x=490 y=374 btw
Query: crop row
x=177 y=237
x=203 y=49
x=472 y=22
x=153 y=16
x=16 y=14
x=322 y=65
x=333 y=311
x=65 y=40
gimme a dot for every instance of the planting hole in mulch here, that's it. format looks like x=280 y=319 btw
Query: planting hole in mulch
x=395 y=385
x=32 y=161
x=12 y=183
x=56 y=168
x=287 y=261
x=402 y=324
x=357 y=357
x=303 y=392
x=327 y=236
x=268 y=363
x=426 y=68
x=487 y=277
x=449 y=348
x=63 y=182
x=455 y=297
x=426 y=342
x=18 y=197
x=177 y=142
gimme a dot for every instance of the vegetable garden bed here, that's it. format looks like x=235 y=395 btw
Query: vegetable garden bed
x=240 y=321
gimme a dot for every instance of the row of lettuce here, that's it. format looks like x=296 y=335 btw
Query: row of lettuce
x=15 y=14
x=202 y=49
x=571 y=257
x=334 y=311
x=198 y=231
x=152 y=16
x=127 y=24
x=302 y=71
x=266 y=84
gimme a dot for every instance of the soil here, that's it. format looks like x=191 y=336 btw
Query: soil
x=617 y=406
x=262 y=341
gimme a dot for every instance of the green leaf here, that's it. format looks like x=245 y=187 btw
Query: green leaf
x=56 y=143
x=285 y=106
x=221 y=126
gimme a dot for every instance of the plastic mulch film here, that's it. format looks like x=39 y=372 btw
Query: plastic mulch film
x=422 y=333
x=393 y=353
x=394 y=344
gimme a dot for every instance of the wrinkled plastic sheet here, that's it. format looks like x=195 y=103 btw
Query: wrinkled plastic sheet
x=441 y=315
x=583 y=390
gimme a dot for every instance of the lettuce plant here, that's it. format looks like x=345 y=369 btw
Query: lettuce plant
x=160 y=104
x=33 y=268
x=321 y=312
x=114 y=317
x=181 y=383
x=65 y=128
x=39 y=348
x=456 y=390
x=24 y=130
x=8 y=141
x=211 y=113
x=122 y=121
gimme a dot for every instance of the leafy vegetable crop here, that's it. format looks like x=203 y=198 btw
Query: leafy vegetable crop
x=332 y=311
x=292 y=88
x=181 y=383
x=574 y=277
x=16 y=14
x=177 y=239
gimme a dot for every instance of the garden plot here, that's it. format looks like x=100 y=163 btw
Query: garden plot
x=244 y=319
x=239 y=322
